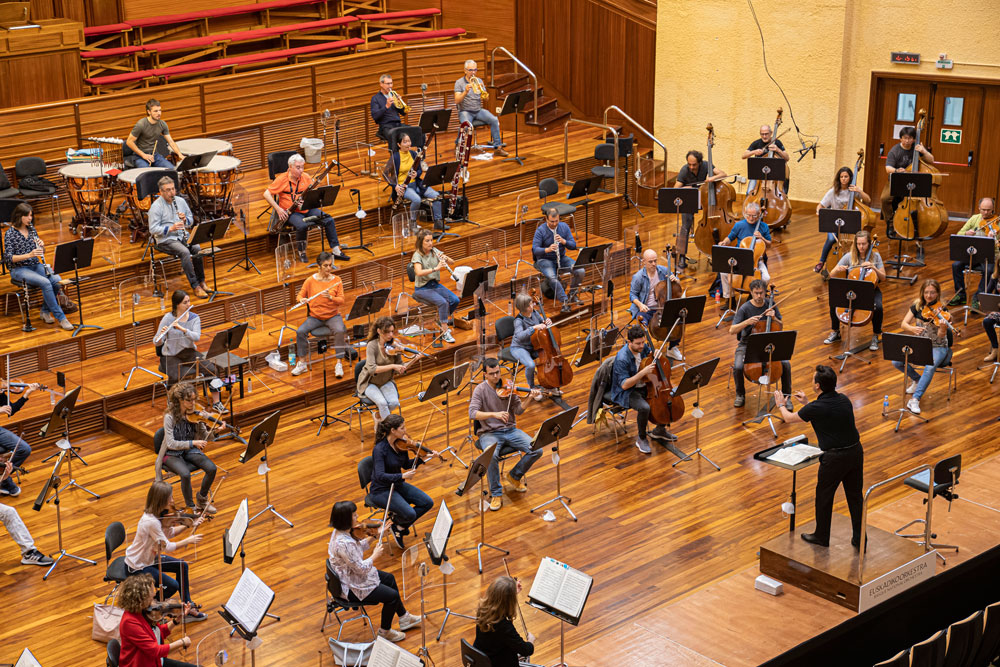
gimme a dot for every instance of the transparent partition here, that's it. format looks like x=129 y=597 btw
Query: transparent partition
x=239 y=202
x=288 y=260
x=219 y=647
x=405 y=226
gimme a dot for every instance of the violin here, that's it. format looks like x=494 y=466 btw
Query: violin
x=717 y=217
x=936 y=312
x=664 y=407
x=213 y=421
x=989 y=226
x=770 y=370
x=775 y=208
x=19 y=387
x=860 y=317
x=508 y=389
x=161 y=609
x=920 y=217
x=551 y=369
x=363 y=529
x=664 y=292
x=172 y=516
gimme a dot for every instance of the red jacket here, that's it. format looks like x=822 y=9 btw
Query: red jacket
x=139 y=645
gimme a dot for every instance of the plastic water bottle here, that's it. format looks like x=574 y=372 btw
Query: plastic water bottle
x=291 y=358
x=250 y=385
x=718 y=298
x=885 y=405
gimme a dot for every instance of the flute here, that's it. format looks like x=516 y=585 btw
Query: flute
x=163 y=334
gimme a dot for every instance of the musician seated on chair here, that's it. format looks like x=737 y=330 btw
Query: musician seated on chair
x=12 y=446
x=184 y=442
x=497 y=424
x=548 y=247
x=324 y=311
x=24 y=254
x=917 y=323
x=147 y=131
x=170 y=220
x=289 y=188
x=470 y=92
x=496 y=635
x=642 y=294
x=973 y=227
x=397 y=172
x=526 y=323
x=761 y=147
x=858 y=257
x=750 y=225
x=18 y=532
x=899 y=159
x=427 y=280
x=628 y=385
x=182 y=330
x=386 y=109
x=393 y=472
x=750 y=313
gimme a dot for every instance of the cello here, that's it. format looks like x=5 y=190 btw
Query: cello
x=551 y=369
x=664 y=292
x=924 y=217
x=868 y=216
x=664 y=407
x=759 y=248
x=717 y=217
x=758 y=371
x=857 y=318
x=775 y=209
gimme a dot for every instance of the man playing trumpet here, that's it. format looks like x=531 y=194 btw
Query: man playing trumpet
x=387 y=105
x=470 y=92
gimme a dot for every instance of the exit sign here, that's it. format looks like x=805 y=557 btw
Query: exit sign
x=904 y=58
x=951 y=136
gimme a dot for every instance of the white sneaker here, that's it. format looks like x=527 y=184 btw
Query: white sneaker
x=338 y=370
x=391 y=634
x=913 y=405
x=675 y=353
x=912 y=388
x=408 y=621
x=447 y=337
x=300 y=368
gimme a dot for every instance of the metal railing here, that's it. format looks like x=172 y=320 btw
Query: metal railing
x=516 y=63
x=864 y=513
x=644 y=131
x=602 y=126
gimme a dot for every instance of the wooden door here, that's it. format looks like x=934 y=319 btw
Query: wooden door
x=953 y=137
x=897 y=103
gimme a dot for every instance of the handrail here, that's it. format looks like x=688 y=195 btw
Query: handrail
x=516 y=63
x=645 y=132
x=566 y=146
x=864 y=513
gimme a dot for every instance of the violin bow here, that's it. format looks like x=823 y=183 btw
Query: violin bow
x=427 y=426
x=520 y=613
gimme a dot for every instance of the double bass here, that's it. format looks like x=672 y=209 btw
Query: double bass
x=664 y=292
x=775 y=209
x=859 y=318
x=664 y=406
x=551 y=369
x=717 y=217
x=754 y=372
x=923 y=217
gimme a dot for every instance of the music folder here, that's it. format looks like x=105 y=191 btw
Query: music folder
x=248 y=604
x=560 y=590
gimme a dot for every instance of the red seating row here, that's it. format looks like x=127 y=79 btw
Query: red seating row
x=424 y=34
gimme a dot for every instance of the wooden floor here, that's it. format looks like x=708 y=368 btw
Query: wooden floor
x=650 y=533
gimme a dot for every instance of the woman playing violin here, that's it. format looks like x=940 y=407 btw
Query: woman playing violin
x=150 y=537
x=382 y=363
x=839 y=196
x=393 y=466
x=144 y=626
x=927 y=317
x=184 y=440
x=496 y=635
x=526 y=322
x=9 y=442
x=859 y=257
x=428 y=288
x=360 y=580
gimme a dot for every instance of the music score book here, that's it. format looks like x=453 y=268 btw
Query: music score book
x=387 y=654
x=560 y=590
x=249 y=601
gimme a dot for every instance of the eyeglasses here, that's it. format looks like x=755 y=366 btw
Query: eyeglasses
x=471 y=69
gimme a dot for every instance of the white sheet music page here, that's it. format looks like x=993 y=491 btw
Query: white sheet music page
x=239 y=526
x=795 y=454
x=561 y=587
x=387 y=654
x=442 y=527
x=548 y=580
x=573 y=594
x=249 y=601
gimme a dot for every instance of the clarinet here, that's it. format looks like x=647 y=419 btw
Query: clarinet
x=48 y=269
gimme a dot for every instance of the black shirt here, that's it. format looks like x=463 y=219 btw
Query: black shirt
x=685 y=177
x=899 y=157
x=748 y=310
x=389 y=466
x=759 y=144
x=502 y=644
x=15 y=406
x=832 y=418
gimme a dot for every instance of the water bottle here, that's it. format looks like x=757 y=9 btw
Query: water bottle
x=291 y=358
x=885 y=405
x=250 y=385
x=718 y=298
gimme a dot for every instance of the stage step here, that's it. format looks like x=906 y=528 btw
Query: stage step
x=548 y=118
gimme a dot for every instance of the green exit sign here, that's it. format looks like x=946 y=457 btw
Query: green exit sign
x=951 y=136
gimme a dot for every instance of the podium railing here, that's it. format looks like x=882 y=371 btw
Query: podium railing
x=601 y=126
x=646 y=132
x=517 y=63
x=864 y=512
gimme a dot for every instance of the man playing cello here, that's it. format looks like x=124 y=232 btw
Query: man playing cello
x=642 y=293
x=749 y=314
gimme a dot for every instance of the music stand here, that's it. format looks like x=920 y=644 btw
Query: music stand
x=593 y=254
x=195 y=161
x=436 y=543
x=550 y=432
x=75 y=255
x=594 y=349
x=368 y=303
x=514 y=104
x=852 y=295
x=583 y=188
x=839 y=221
x=990 y=303
x=766 y=169
x=969 y=249
x=431 y=122
x=696 y=377
x=436 y=176
x=59 y=421
x=209 y=230
x=907 y=349
x=679 y=201
x=681 y=312
x=542 y=587
x=905 y=184
x=478 y=469
x=441 y=385
x=767 y=348
x=261 y=436
x=739 y=262
x=220 y=353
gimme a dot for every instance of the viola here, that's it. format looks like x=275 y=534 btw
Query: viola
x=664 y=292
x=664 y=407
x=551 y=369
x=921 y=217
x=363 y=529
x=717 y=217
x=775 y=208
x=212 y=420
x=172 y=516
x=936 y=312
x=858 y=317
x=770 y=370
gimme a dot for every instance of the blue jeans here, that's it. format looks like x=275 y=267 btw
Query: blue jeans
x=416 y=198
x=510 y=438
x=486 y=117
x=335 y=324
x=942 y=355
x=438 y=296
x=385 y=398
x=325 y=222
x=827 y=246
x=174 y=566
x=158 y=161
x=35 y=277
x=548 y=269
x=11 y=443
x=524 y=357
x=408 y=503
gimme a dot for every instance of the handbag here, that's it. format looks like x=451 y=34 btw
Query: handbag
x=67 y=304
x=351 y=654
x=106 y=620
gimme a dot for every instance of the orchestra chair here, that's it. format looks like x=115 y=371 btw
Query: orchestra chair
x=901 y=659
x=502 y=454
x=361 y=405
x=336 y=603
x=114 y=651
x=946 y=473
x=602 y=408
x=114 y=537
x=476 y=124
x=417 y=138
x=989 y=645
x=146 y=186
x=930 y=652
x=605 y=153
x=277 y=163
x=473 y=657
x=948 y=367
x=366 y=467
x=504 y=328
x=963 y=640
x=549 y=187
x=35 y=166
x=6 y=189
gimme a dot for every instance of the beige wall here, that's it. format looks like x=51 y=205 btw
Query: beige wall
x=709 y=68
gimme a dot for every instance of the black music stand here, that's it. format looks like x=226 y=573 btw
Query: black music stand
x=765 y=456
x=442 y=384
x=695 y=377
x=681 y=312
x=679 y=201
x=326 y=419
x=53 y=484
x=480 y=277
x=907 y=349
x=597 y=345
x=360 y=214
x=990 y=303
x=195 y=161
x=739 y=261
x=434 y=177
x=59 y=420
x=905 y=184
x=368 y=303
x=838 y=221
x=853 y=295
x=320 y=197
x=431 y=122
x=478 y=469
x=514 y=104
x=550 y=432
x=262 y=435
x=209 y=230
x=766 y=348
x=220 y=353
x=583 y=188
x=75 y=255
x=972 y=251
x=592 y=254
x=766 y=169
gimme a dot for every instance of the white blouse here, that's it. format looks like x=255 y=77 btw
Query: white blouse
x=357 y=575
x=142 y=552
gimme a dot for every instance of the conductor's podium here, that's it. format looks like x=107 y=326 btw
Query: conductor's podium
x=893 y=564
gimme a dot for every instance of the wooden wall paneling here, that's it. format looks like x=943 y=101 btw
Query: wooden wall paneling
x=352 y=80
x=988 y=176
x=527 y=40
x=102 y=12
x=441 y=64
x=354 y=123
x=46 y=131
x=557 y=55
x=140 y=9
x=640 y=54
x=496 y=21
x=40 y=77
x=116 y=115
x=286 y=135
x=407 y=5
x=248 y=146
x=272 y=95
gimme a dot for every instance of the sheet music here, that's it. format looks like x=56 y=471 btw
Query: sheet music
x=387 y=654
x=441 y=530
x=561 y=587
x=239 y=526
x=795 y=455
x=249 y=601
x=27 y=659
x=573 y=594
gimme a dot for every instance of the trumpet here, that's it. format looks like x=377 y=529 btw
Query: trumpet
x=480 y=88
x=398 y=102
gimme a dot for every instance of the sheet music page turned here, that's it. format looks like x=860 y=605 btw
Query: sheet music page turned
x=249 y=601
x=387 y=654
x=559 y=586
x=795 y=454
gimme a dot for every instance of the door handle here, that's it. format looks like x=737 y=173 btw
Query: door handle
x=971 y=153
x=881 y=149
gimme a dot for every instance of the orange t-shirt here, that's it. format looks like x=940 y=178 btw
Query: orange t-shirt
x=323 y=308
x=283 y=190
